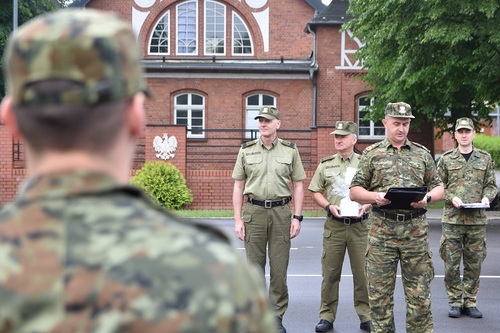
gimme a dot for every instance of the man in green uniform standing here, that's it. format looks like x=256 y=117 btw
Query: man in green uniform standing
x=468 y=174
x=265 y=171
x=398 y=235
x=80 y=249
x=332 y=178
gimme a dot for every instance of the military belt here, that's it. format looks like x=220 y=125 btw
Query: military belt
x=349 y=220
x=398 y=217
x=270 y=203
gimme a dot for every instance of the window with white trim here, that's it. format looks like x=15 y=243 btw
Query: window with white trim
x=253 y=105
x=190 y=111
x=158 y=43
x=368 y=129
x=217 y=20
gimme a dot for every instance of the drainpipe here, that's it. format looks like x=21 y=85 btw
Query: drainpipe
x=311 y=77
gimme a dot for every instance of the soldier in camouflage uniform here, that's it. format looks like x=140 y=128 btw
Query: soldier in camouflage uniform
x=398 y=235
x=341 y=232
x=80 y=249
x=264 y=171
x=468 y=174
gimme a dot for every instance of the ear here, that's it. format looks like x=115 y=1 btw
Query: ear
x=136 y=116
x=8 y=116
x=278 y=124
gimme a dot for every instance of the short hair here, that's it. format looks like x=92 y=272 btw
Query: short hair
x=63 y=127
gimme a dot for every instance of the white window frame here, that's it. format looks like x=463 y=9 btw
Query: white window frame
x=234 y=39
x=218 y=6
x=189 y=107
x=161 y=37
x=372 y=127
x=251 y=111
x=177 y=38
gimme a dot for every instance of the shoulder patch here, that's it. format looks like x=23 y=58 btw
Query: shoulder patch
x=248 y=144
x=373 y=146
x=288 y=143
x=421 y=146
x=328 y=158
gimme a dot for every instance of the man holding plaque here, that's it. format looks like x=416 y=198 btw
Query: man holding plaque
x=468 y=174
x=345 y=227
x=400 y=234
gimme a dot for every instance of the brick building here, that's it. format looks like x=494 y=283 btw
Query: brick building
x=211 y=64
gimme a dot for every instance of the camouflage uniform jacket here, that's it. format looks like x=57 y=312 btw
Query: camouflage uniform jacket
x=469 y=180
x=80 y=253
x=383 y=166
x=330 y=177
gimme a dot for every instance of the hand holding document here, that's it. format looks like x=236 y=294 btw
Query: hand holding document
x=402 y=197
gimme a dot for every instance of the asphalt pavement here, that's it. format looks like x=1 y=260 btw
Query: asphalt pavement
x=304 y=281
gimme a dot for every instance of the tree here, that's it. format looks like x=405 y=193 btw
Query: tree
x=442 y=57
x=27 y=9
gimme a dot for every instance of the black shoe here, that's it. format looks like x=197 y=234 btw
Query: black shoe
x=455 y=312
x=279 y=326
x=324 y=326
x=473 y=312
x=366 y=326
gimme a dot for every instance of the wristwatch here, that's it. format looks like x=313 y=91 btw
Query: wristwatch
x=428 y=198
x=327 y=208
x=298 y=217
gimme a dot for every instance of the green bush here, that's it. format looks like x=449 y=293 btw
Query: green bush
x=164 y=183
x=491 y=144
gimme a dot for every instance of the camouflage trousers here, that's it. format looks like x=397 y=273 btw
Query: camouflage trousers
x=337 y=239
x=389 y=243
x=467 y=243
x=269 y=230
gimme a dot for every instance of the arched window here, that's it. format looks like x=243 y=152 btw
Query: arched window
x=253 y=104
x=190 y=111
x=368 y=129
x=218 y=20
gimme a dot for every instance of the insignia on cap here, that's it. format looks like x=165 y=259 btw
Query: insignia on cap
x=402 y=109
x=340 y=126
x=265 y=110
x=464 y=122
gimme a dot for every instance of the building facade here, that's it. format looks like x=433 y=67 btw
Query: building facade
x=211 y=64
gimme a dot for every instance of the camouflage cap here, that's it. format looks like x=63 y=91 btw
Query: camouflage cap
x=398 y=110
x=93 y=48
x=269 y=112
x=345 y=128
x=464 y=123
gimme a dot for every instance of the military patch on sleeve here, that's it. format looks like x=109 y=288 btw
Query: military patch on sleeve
x=288 y=143
x=421 y=146
x=324 y=159
x=248 y=144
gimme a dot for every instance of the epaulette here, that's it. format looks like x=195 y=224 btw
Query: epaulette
x=288 y=143
x=448 y=152
x=324 y=159
x=421 y=146
x=248 y=144
x=373 y=146
x=484 y=152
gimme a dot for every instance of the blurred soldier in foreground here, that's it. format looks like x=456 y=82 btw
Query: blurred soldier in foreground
x=468 y=174
x=80 y=250
x=398 y=235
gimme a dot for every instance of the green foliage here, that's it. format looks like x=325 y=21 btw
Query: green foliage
x=438 y=56
x=491 y=144
x=164 y=183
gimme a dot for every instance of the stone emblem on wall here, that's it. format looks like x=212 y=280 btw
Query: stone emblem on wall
x=165 y=146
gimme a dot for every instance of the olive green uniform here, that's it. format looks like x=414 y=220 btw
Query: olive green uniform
x=268 y=174
x=383 y=166
x=339 y=236
x=464 y=230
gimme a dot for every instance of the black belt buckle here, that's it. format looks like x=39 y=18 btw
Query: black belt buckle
x=347 y=221
x=400 y=217
x=268 y=204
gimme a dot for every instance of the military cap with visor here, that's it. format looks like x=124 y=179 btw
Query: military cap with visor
x=398 y=110
x=95 y=50
x=464 y=123
x=345 y=128
x=268 y=112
